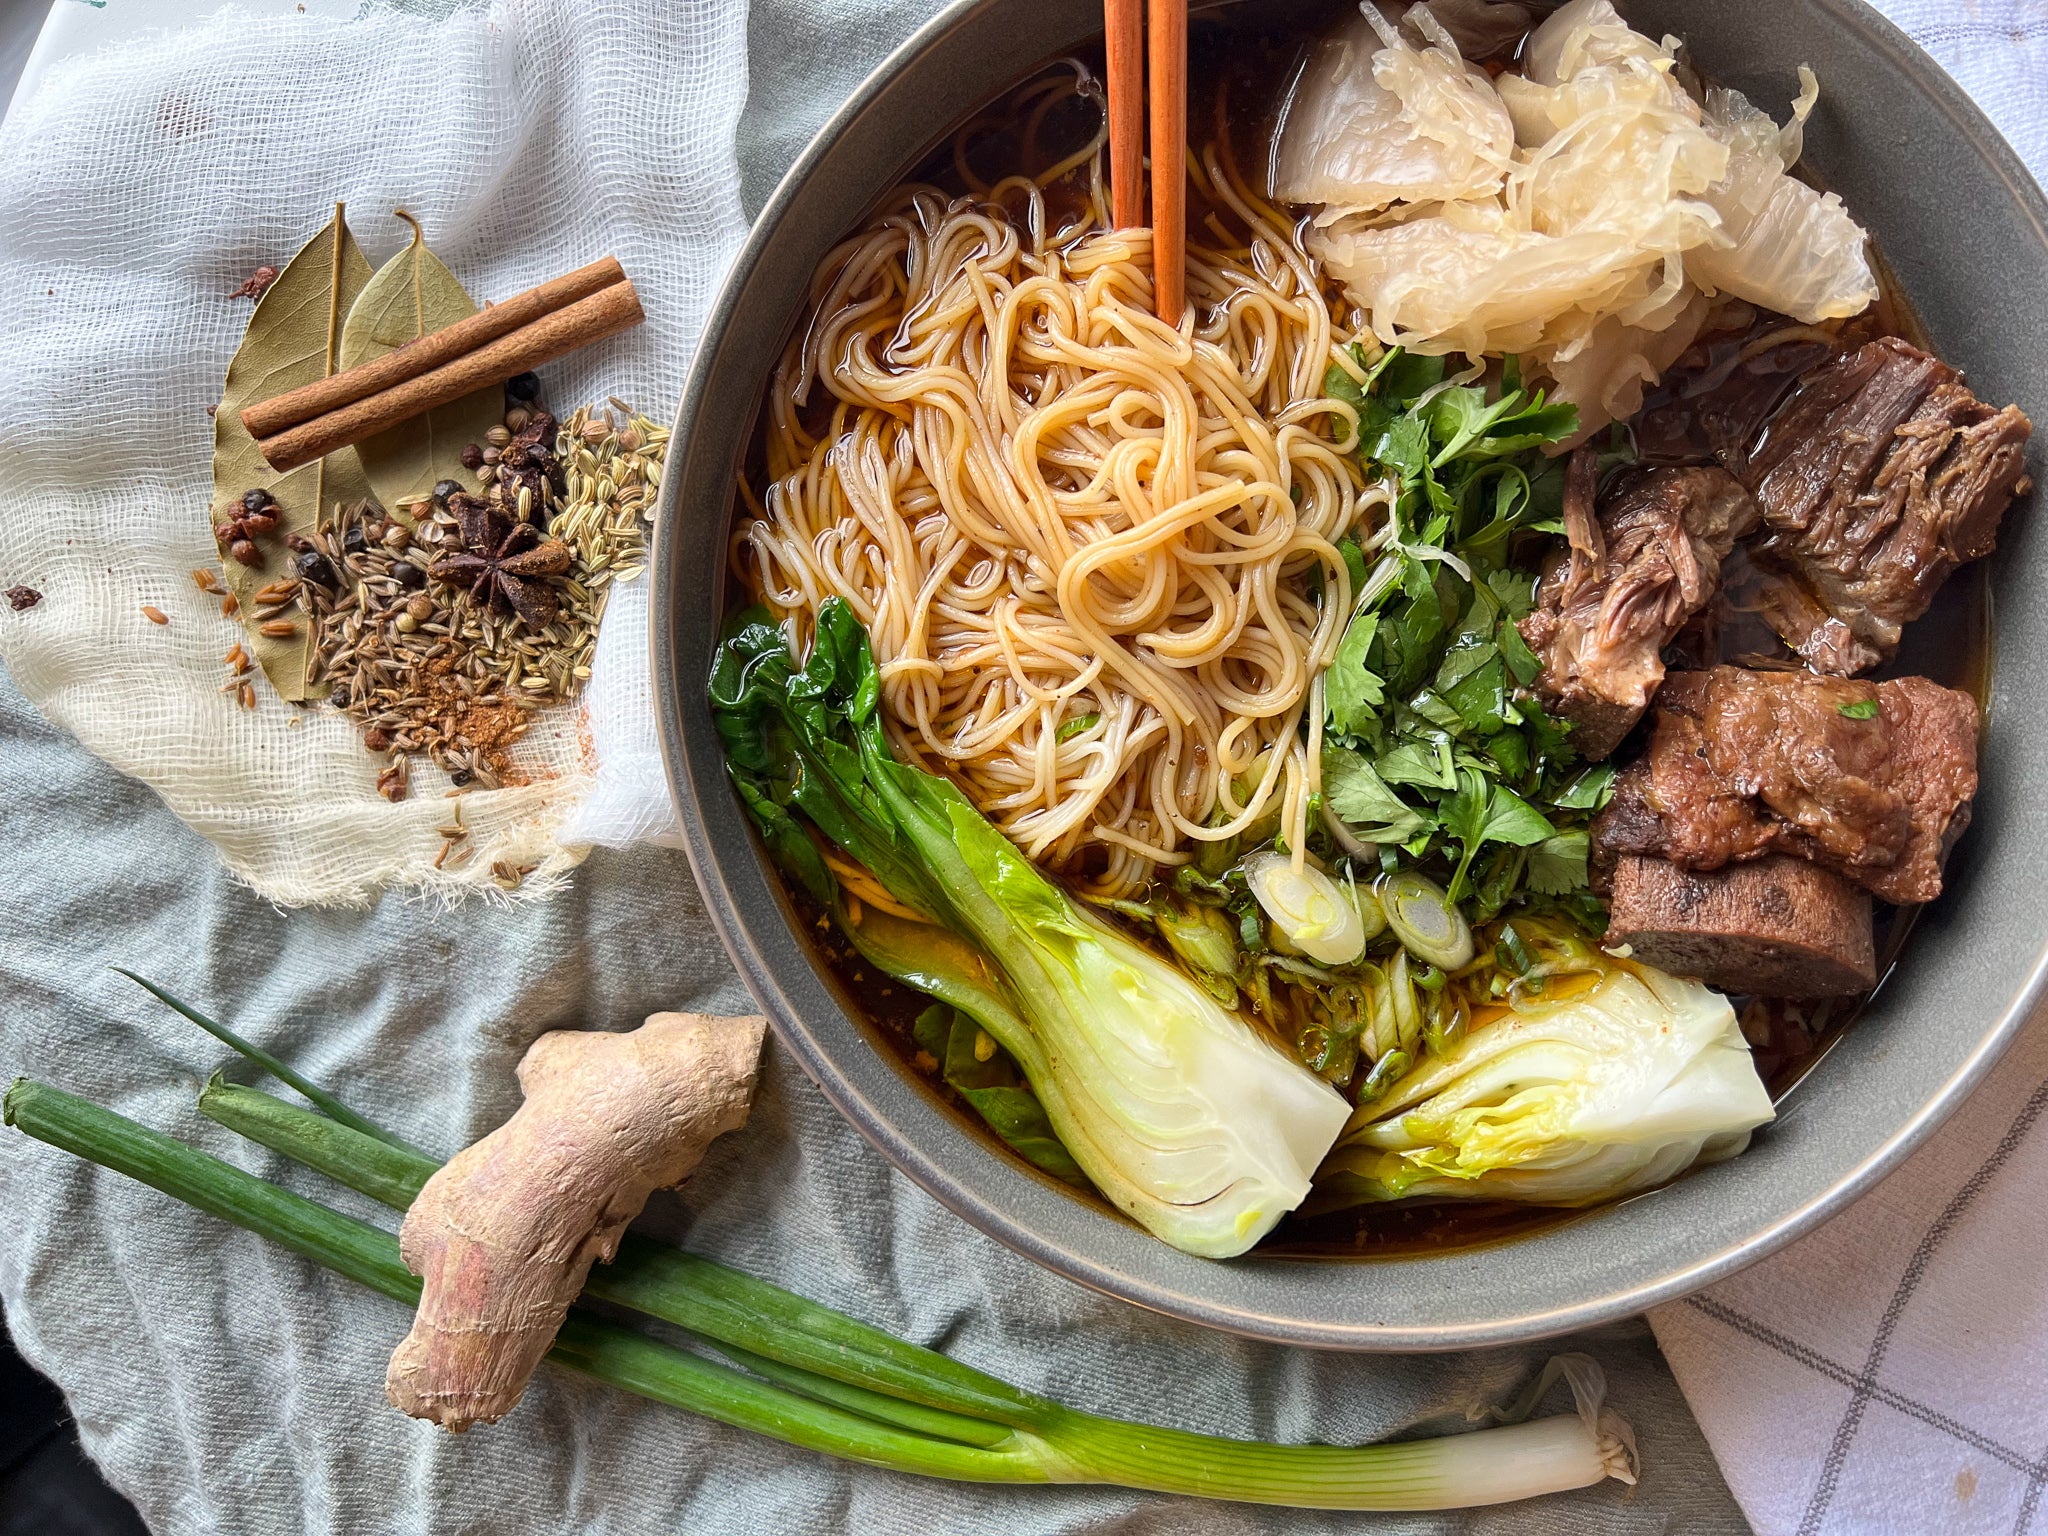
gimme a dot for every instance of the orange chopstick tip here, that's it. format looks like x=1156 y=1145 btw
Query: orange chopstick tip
x=1167 y=46
x=1123 y=41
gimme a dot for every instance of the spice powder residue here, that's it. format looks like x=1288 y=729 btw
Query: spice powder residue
x=490 y=725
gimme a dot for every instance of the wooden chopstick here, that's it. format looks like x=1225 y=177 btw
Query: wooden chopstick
x=1167 y=36
x=1123 y=34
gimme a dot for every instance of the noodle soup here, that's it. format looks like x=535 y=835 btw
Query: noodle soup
x=1288 y=700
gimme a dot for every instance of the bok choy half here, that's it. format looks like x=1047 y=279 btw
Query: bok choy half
x=1177 y=1108
x=1612 y=1081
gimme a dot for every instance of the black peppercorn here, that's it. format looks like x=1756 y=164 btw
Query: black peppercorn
x=315 y=567
x=473 y=457
x=523 y=386
x=339 y=698
x=460 y=777
x=254 y=502
x=406 y=574
x=352 y=539
x=443 y=489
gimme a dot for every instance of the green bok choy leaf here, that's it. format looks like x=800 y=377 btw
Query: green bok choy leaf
x=1181 y=1112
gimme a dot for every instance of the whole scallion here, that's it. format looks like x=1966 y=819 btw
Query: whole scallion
x=800 y=1372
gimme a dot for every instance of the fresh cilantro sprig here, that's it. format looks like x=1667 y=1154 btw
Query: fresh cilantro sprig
x=1436 y=749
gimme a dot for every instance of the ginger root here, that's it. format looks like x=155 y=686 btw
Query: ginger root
x=504 y=1235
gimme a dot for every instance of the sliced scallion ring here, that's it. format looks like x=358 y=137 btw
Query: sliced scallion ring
x=1424 y=920
x=1310 y=910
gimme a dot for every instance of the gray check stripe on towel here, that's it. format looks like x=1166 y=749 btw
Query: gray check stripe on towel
x=1935 y=1279
x=1909 y=1282
x=1866 y=1386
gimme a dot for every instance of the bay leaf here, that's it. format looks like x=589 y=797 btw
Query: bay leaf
x=412 y=295
x=293 y=338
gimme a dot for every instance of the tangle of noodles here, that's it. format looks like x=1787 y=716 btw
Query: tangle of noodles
x=1096 y=555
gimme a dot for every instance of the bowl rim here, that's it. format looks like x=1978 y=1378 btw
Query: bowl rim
x=955 y=1191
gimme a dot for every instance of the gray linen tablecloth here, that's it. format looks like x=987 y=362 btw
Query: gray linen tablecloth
x=226 y=1386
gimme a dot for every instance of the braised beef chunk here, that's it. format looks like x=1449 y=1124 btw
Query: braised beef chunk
x=1776 y=927
x=1871 y=780
x=1633 y=577
x=1711 y=405
x=1877 y=478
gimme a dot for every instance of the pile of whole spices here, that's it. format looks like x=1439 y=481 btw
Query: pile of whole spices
x=613 y=461
x=387 y=649
x=415 y=632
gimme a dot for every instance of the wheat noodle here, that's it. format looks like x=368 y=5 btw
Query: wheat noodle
x=1051 y=510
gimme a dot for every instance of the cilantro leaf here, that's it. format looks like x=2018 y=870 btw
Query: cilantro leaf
x=1354 y=562
x=1861 y=709
x=1352 y=691
x=1402 y=375
x=1514 y=650
x=1589 y=790
x=1481 y=696
x=1358 y=795
x=1430 y=706
x=1468 y=425
x=1511 y=819
x=1481 y=813
x=1425 y=764
x=1510 y=753
x=1557 y=865
x=1402 y=446
x=1338 y=384
x=1464 y=819
x=1515 y=592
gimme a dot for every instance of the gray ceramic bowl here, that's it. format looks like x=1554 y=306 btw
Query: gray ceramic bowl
x=1966 y=230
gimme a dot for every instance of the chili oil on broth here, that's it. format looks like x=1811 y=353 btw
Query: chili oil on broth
x=1242 y=64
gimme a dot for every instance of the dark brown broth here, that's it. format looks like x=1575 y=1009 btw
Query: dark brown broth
x=1241 y=63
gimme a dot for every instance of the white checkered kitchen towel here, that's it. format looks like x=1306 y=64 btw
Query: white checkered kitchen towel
x=1889 y=1373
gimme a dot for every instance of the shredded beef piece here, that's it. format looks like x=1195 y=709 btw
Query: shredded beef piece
x=1743 y=764
x=1876 y=479
x=1632 y=580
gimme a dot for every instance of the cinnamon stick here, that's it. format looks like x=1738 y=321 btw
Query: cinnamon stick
x=267 y=418
x=604 y=313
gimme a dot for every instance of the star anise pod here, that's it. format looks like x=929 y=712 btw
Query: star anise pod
x=503 y=563
x=528 y=463
x=254 y=515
